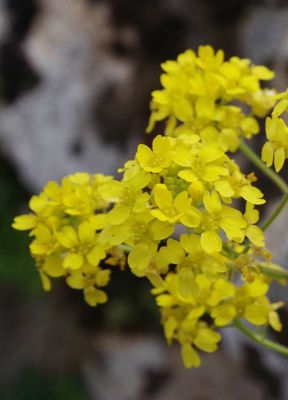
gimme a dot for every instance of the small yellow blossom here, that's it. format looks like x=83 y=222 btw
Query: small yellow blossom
x=172 y=215
x=156 y=160
x=275 y=150
x=172 y=210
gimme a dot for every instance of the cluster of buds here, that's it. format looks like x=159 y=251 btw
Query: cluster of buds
x=173 y=216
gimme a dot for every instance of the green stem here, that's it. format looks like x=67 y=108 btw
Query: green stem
x=260 y=339
x=231 y=252
x=274 y=273
x=275 y=213
x=278 y=181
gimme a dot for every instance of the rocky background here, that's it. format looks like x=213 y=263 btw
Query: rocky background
x=75 y=83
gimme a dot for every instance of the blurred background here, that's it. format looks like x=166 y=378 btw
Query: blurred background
x=75 y=83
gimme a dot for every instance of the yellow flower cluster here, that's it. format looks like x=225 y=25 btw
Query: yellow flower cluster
x=174 y=209
x=186 y=298
x=65 y=227
x=275 y=150
x=204 y=90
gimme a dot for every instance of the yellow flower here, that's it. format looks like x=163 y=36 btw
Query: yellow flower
x=185 y=185
x=235 y=184
x=209 y=59
x=157 y=159
x=45 y=243
x=202 y=164
x=223 y=314
x=206 y=339
x=189 y=356
x=275 y=150
x=173 y=210
x=198 y=91
x=222 y=290
x=90 y=283
x=81 y=245
x=216 y=217
x=140 y=256
x=252 y=231
x=24 y=222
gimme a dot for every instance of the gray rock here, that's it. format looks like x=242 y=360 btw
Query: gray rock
x=142 y=367
x=262 y=32
x=39 y=131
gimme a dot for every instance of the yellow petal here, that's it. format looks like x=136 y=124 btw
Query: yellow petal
x=255 y=235
x=205 y=107
x=139 y=257
x=280 y=107
x=182 y=202
x=38 y=203
x=118 y=214
x=274 y=321
x=173 y=251
x=191 y=244
x=46 y=282
x=162 y=217
x=262 y=72
x=161 y=230
x=257 y=288
x=111 y=191
x=67 y=237
x=207 y=339
x=95 y=255
x=183 y=110
x=188 y=175
x=279 y=158
x=190 y=357
x=186 y=285
x=144 y=155
x=257 y=314
x=98 y=221
x=53 y=266
x=223 y=314
x=211 y=242
x=212 y=202
x=94 y=296
x=251 y=194
x=155 y=279
x=169 y=327
x=73 y=261
x=80 y=178
x=162 y=196
x=224 y=188
x=76 y=280
x=191 y=218
x=24 y=222
x=103 y=277
x=85 y=232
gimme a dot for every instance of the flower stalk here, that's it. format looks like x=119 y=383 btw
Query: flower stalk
x=253 y=157
x=275 y=212
x=260 y=339
x=276 y=179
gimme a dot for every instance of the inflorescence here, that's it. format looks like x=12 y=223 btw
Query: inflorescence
x=183 y=215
